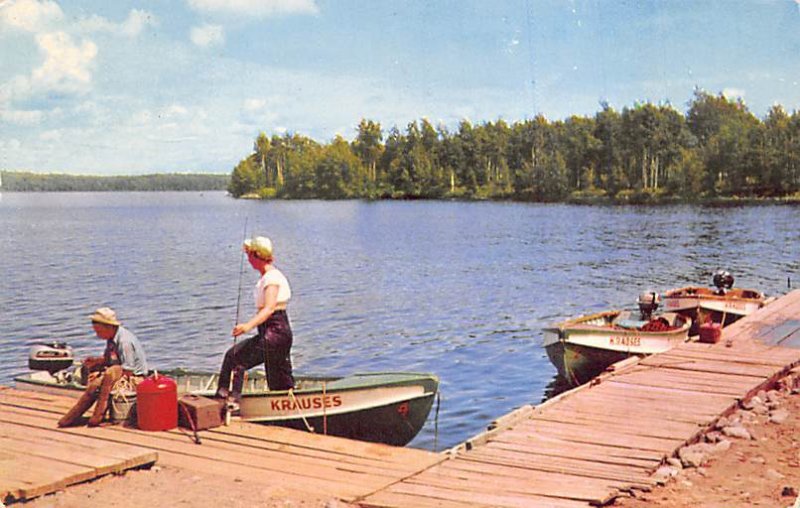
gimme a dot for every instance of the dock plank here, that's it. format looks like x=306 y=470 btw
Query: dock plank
x=318 y=464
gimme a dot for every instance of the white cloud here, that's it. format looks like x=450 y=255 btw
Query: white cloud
x=67 y=66
x=259 y=112
x=257 y=8
x=207 y=35
x=173 y=111
x=142 y=117
x=30 y=15
x=51 y=135
x=22 y=117
x=133 y=25
x=254 y=105
x=11 y=144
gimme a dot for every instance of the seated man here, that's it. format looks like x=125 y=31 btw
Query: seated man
x=123 y=357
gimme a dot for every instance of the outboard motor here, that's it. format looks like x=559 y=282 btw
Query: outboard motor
x=50 y=356
x=723 y=280
x=648 y=303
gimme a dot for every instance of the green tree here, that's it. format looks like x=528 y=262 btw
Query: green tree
x=367 y=146
x=336 y=170
x=246 y=178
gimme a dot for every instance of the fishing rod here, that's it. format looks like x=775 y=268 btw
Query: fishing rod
x=241 y=270
x=238 y=306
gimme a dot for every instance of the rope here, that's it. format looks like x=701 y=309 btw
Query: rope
x=436 y=423
x=191 y=423
x=297 y=405
x=119 y=396
x=324 y=409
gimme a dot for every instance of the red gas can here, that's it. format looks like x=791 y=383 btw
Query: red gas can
x=157 y=403
x=710 y=333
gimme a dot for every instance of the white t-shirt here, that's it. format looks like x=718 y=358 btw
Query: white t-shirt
x=273 y=277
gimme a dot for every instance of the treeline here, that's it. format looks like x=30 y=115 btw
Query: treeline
x=33 y=182
x=645 y=153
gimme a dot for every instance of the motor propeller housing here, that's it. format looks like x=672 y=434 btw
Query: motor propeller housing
x=50 y=356
x=723 y=279
x=648 y=302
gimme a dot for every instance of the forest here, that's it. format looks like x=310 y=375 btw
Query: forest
x=717 y=149
x=35 y=182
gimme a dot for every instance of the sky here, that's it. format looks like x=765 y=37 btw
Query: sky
x=133 y=87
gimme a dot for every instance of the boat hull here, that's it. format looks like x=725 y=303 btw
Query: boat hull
x=584 y=347
x=393 y=424
x=580 y=364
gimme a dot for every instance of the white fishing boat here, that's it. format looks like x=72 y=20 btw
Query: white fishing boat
x=583 y=347
x=722 y=304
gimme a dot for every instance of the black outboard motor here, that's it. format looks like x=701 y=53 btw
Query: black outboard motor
x=648 y=303
x=50 y=356
x=723 y=280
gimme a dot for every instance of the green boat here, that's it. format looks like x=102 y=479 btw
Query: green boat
x=381 y=407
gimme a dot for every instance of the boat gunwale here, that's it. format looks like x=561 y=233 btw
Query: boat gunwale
x=678 y=293
x=411 y=379
x=565 y=327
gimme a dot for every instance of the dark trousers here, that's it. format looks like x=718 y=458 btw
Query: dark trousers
x=272 y=347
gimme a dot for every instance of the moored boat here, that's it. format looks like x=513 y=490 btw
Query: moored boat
x=722 y=304
x=583 y=347
x=386 y=407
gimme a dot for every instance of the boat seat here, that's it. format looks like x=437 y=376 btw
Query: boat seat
x=626 y=319
x=633 y=324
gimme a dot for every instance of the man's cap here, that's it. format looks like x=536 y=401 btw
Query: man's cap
x=105 y=316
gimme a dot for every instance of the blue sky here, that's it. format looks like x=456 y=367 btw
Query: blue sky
x=129 y=87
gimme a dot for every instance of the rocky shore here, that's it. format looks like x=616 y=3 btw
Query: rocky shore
x=749 y=458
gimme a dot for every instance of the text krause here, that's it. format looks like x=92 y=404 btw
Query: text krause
x=625 y=341
x=315 y=402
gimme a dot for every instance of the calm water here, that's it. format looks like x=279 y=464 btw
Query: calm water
x=458 y=289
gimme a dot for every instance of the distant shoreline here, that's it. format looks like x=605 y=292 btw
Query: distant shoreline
x=14 y=181
x=24 y=182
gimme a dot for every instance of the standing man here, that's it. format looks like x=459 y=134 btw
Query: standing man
x=123 y=357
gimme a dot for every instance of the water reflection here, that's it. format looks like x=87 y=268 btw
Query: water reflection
x=556 y=386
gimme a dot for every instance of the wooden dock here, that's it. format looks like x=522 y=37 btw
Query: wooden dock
x=38 y=458
x=588 y=445
x=582 y=448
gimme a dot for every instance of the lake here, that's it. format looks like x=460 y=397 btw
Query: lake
x=455 y=288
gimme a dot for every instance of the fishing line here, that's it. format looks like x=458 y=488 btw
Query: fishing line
x=234 y=372
x=241 y=270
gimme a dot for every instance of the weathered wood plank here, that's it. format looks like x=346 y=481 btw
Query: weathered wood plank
x=588 y=434
x=321 y=479
x=387 y=499
x=491 y=498
x=660 y=429
x=33 y=476
x=487 y=462
x=280 y=438
x=537 y=485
